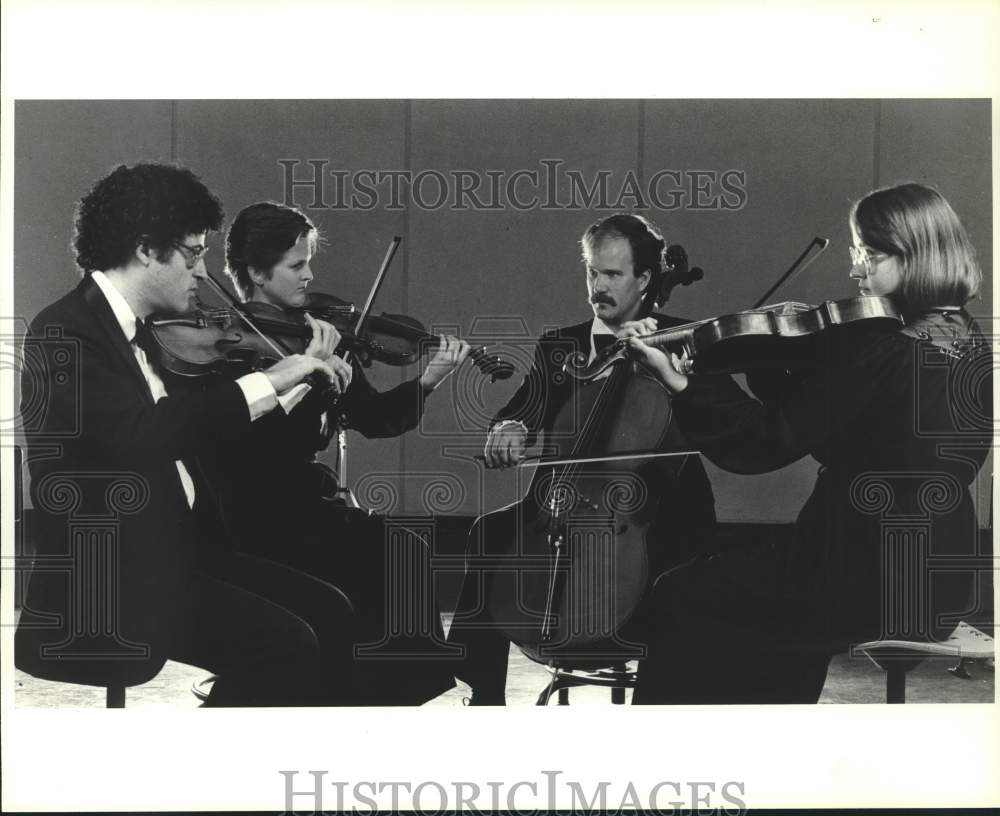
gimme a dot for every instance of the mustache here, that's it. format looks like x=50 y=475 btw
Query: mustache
x=598 y=298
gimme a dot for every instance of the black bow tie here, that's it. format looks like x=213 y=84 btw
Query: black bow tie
x=602 y=341
x=144 y=337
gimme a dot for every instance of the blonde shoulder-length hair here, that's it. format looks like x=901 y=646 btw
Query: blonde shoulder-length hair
x=916 y=223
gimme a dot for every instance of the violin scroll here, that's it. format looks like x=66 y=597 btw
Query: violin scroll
x=491 y=364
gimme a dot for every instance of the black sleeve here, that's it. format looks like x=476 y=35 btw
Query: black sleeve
x=527 y=405
x=773 y=385
x=543 y=388
x=99 y=400
x=743 y=435
x=382 y=414
x=299 y=431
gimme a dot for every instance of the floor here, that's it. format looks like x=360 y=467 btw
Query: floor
x=850 y=680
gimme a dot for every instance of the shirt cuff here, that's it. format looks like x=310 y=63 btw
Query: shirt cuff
x=293 y=396
x=259 y=394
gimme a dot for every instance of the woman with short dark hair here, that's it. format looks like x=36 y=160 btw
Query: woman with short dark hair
x=278 y=501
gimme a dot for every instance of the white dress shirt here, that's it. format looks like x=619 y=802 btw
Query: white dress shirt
x=256 y=387
x=596 y=328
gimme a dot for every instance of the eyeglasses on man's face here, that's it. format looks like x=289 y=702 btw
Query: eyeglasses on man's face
x=192 y=254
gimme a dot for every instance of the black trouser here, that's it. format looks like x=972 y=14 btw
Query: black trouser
x=717 y=636
x=398 y=653
x=274 y=635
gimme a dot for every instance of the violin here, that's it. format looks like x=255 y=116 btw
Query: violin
x=395 y=340
x=219 y=341
x=783 y=335
x=230 y=341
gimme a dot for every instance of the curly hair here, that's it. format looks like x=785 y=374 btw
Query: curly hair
x=260 y=236
x=154 y=205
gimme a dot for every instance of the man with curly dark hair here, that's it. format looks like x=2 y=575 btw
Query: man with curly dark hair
x=121 y=515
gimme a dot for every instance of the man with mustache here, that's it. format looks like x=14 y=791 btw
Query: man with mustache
x=624 y=262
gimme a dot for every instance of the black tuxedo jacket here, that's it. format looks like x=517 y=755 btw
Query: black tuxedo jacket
x=114 y=537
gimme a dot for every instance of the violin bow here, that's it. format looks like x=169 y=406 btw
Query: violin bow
x=366 y=309
x=794 y=269
x=275 y=344
x=279 y=348
x=540 y=460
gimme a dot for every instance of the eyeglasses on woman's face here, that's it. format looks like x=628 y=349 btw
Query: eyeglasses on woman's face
x=863 y=256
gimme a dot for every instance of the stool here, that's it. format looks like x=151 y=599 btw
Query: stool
x=897 y=657
x=114 y=695
x=616 y=676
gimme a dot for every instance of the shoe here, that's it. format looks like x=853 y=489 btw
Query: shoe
x=480 y=698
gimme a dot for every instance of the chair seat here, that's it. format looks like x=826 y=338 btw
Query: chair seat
x=965 y=641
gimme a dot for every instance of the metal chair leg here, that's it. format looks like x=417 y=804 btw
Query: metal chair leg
x=115 y=697
x=615 y=678
x=895 y=684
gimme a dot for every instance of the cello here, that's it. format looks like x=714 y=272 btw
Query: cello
x=581 y=560
x=579 y=563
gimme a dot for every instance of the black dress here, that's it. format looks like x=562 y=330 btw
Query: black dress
x=886 y=545
x=276 y=503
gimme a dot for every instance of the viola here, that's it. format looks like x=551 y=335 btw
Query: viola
x=783 y=335
x=219 y=341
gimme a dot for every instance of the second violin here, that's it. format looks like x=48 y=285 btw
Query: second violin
x=395 y=340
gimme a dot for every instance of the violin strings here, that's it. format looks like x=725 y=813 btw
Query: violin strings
x=225 y=296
